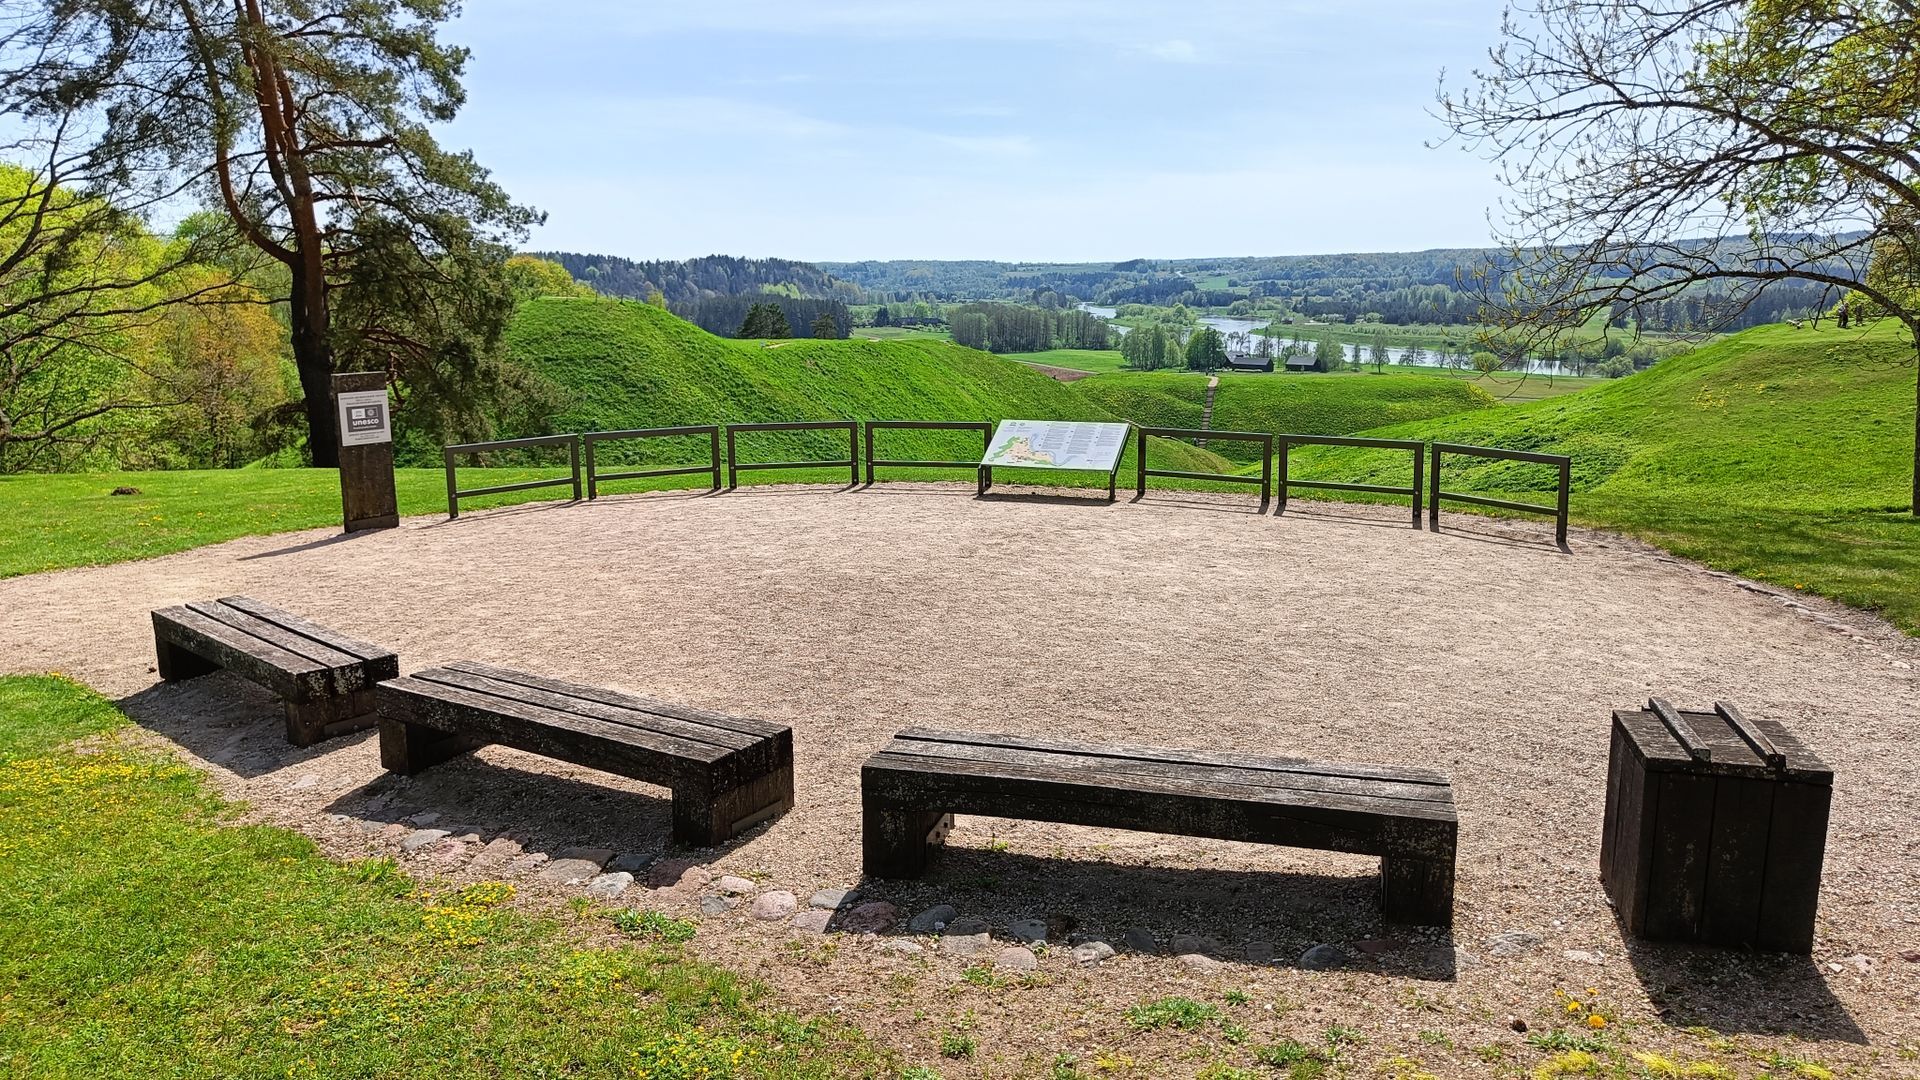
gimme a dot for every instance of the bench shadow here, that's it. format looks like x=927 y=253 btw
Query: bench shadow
x=541 y=812
x=1258 y=918
x=227 y=721
x=1738 y=992
x=1093 y=497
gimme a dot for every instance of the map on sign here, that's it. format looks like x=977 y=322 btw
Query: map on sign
x=1057 y=444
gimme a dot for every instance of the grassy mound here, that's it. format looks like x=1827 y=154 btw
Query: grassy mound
x=622 y=365
x=1338 y=404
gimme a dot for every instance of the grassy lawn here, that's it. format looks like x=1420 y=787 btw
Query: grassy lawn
x=1077 y=359
x=143 y=935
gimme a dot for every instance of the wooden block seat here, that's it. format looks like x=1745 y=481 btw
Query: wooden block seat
x=727 y=773
x=325 y=678
x=911 y=789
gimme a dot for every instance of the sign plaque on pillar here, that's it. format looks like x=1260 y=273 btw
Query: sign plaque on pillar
x=364 y=418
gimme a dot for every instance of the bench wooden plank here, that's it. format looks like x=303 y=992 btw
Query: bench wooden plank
x=745 y=726
x=1405 y=774
x=911 y=789
x=275 y=635
x=290 y=675
x=383 y=658
x=1251 y=777
x=606 y=704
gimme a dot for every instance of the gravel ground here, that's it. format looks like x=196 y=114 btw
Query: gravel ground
x=1332 y=631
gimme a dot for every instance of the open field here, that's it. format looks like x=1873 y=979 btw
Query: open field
x=1095 y=360
x=143 y=934
x=850 y=615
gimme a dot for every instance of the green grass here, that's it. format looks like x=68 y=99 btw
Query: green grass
x=144 y=934
x=1779 y=454
x=1077 y=359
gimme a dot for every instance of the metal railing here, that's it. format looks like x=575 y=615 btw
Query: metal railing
x=1141 y=472
x=852 y=461
x=983 y=473
x=454 y=494
x=595 y=477
x=1415 y=447
x=1558 y=511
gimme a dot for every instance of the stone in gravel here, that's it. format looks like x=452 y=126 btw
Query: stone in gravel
x=1016 y=960
x=1199 y=963
x=830 y=899
x=1188 y=944
x=1375 y=946
x=1911 y=956
x=933 y=920
x=870 y=918
x=734 y=886
x=633 y=862
x=1090 y=953
x=1459 y=959
x=1511 y=943
x=1323 y=957
x=609 y=886
x=1139 y=940
x=966 y=944
x=966 y=926
x=1258 y=952
x=422 y=819
x=775 y=905
x=716 y=905
x=1517 y=1024
x=1584 y=957
x=814 y=922
x=525 y=864
x=570 y=871
x=1028 y=931
x=903 y=946
x=420 y=838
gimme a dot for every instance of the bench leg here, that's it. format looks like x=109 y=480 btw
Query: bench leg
x=309 y=722
x=704 y=818
x=176 y=663
x=408 y=748
x=895 y=840
x=1418 y=891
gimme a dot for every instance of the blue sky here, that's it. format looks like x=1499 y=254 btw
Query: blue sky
x=1055 y=130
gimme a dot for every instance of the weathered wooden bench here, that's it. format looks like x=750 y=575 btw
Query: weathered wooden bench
x=911 y=789
x=325 y=678
x=727 y=773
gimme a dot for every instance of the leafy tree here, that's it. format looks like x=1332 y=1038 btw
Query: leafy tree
x=825 y=327
x=1205 y=349
x=311 y=128
x=1377 y=351
x=1702 y=154
x=530 y=277
x=1327 y=355
x=1485 y=363
x=224 y=361
x=883 y=317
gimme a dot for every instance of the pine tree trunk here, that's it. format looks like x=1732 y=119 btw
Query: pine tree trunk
x=313 y=358
x=1916 y=427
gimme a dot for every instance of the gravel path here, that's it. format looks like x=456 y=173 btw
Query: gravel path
x=1331 y=631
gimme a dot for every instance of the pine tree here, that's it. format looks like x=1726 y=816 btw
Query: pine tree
x=825 y=327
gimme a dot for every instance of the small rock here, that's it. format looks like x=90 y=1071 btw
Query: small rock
x=633 y=862
x=609 y=886
x=903 y=946
x=570 y=871
x=716 y=905
x=932 y=920
x=1323 y=957
x=775 y=905
x=1459 y=959
x=1186 y=944
x=1016 y=960
x=1258 y=952
x=870 y=918
x=966 y=926
x=813 y=922
x=1911 y=956
x=1511 y=943
x=420 y=838
x=966 y=944
x=422 y=819
x=1028 y=931
x=677 y=879
x=1860 y=962
x=1140 y=941
x=830 y=899
x=1199 y=964
x=1090 y=953
x=1584 y=957
x=1517 y=1024
x=124 y=490
x=734 y=886
x=526 y=864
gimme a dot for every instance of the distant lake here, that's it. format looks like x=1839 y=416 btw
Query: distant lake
x=1395 y=354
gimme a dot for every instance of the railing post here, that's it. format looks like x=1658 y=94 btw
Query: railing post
x=1433 y=491
x=1266 y=471
x=1140 y=466
x=713 y=450
x=1280 y=481
x=593 y=481
x=1419 y=480
x=1566 y=487
x=853 y=454
x=869 y=453
x=573 y=461
x=733 y=473
x=453 y=488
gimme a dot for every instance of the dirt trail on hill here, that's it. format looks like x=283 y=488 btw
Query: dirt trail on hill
x=1330 y=632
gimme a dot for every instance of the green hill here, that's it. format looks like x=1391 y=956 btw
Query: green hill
x=621 y=364
x=1339 y=404
x=1776 y=453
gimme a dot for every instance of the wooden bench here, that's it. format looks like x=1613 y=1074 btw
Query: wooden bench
x=727 y=773
x=325 y=678
x=911 y=789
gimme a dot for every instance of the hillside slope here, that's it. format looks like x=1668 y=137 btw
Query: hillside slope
x=622 y=365
x=1777 y=453
x=1340 y=404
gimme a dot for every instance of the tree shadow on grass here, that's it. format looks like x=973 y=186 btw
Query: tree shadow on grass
x=1732 y=992
x=1238 y=917
x=226 y=721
